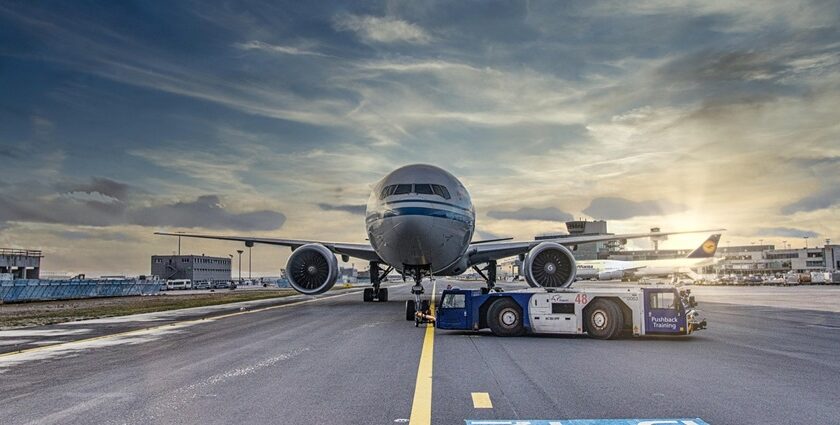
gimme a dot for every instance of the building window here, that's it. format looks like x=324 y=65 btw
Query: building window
x=814 y=263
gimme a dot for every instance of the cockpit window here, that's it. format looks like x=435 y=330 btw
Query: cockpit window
x=402 y=189
x=441 y=191
x=420 y=189
x=387 y=191
x=423 y=189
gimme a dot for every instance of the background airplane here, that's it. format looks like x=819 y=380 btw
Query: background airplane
x=617 y=269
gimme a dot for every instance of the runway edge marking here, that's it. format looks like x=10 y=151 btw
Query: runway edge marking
x=421 y=407
x=176 y=323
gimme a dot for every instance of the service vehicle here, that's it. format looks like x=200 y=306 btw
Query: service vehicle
x=603 y=312
x=175 y=284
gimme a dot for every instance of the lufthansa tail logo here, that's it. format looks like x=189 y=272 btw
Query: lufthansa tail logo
x=709 y=247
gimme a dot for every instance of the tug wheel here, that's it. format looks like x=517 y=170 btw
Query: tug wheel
x=603 y=319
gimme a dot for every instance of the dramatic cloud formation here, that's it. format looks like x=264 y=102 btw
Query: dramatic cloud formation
x=208 y=212
x=713 y=114
x=103 y=202
x=614 y=208
x=528 y=213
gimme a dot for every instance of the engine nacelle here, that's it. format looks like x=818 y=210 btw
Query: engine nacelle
x=549 y=265
x=611 y=275
x=312 y=269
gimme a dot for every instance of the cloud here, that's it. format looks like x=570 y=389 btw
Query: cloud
x=77 y=235
x=615 y=208
x=823 y=199
x=352 y=209
x=206 y=212
x=382 y=29
x=785 y=232
x=99 y=185
x=102 y=202
x=275 y=48
x=529 y=213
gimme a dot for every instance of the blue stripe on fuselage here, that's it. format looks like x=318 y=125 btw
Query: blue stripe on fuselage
x=424 y=211
x=428 y=201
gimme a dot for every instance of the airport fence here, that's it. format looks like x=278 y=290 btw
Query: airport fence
x=19 y=290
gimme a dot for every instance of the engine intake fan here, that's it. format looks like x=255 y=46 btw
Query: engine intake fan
x=312 y=269
x=549 y=265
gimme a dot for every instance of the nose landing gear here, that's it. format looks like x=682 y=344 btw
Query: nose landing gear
x=418 y=310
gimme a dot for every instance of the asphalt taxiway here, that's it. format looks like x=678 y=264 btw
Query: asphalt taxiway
x=338 y=360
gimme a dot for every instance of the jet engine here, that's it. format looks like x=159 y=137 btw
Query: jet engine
x=312 y=269
x=611 y=275
x=550 y=265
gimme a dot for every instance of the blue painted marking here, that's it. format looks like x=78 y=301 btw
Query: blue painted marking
x=683 y=421
x=448 y=204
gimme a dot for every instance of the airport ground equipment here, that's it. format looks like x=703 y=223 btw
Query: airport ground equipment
x=602 y=312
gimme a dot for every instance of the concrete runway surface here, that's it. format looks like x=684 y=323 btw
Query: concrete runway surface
x=338 y=360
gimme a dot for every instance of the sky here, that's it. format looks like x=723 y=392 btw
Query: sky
x=119 y=119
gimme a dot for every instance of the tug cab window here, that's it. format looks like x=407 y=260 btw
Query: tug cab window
x=453 y=301
x=662 y=300
x=423 y=189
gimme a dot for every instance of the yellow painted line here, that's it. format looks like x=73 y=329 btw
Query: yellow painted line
x=421 y=407
x=179 y=323
x=482 y=401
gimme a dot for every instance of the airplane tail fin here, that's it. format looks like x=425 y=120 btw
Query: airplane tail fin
x=707 y=249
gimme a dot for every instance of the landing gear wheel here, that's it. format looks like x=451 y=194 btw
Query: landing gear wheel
x=505 y=318
x=603 y=319
x=424 y=306
x=383 y=295
x=367 y=296
x=409 y=310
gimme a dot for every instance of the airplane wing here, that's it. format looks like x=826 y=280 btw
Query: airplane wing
x=363 y=251
x=495 y=251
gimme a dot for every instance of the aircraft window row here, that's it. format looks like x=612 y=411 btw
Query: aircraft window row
x=420 y=189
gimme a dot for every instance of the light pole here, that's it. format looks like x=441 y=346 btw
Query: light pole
x=806 y=242
x=239 y=251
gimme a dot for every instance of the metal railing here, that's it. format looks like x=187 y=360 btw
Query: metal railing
x=21 y=252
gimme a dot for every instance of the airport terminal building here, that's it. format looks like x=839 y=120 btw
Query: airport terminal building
x=193 y=267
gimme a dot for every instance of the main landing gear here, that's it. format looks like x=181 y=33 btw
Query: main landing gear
x=489 y=278
x=377 y=273
x=417 y=309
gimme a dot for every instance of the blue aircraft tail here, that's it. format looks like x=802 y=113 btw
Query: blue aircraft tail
x=707 y=249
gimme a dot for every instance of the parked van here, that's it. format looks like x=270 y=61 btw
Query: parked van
x=174 y=284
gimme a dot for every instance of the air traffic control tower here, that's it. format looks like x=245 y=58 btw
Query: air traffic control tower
x=20 y=263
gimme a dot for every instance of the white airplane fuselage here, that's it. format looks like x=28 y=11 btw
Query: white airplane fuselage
x=421 y=215
x=643 y=268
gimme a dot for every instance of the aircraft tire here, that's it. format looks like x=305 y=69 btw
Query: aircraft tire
x=409 y=310
x=367 y=295
x=383 y=295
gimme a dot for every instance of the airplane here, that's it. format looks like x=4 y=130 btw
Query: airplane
x=420 y=222
x=703 y=256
